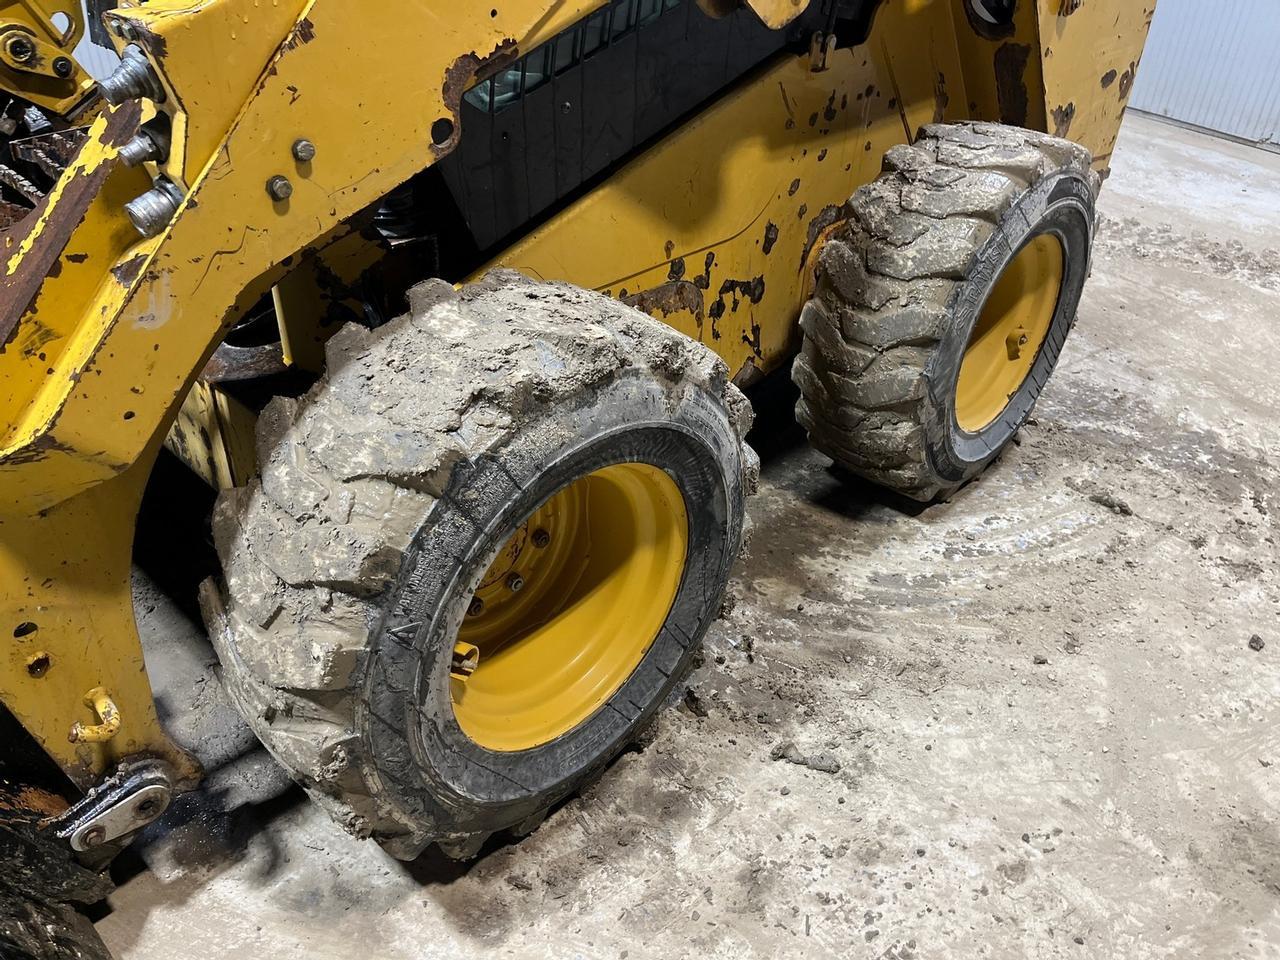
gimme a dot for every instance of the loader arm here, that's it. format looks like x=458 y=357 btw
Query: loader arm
x=105 y=331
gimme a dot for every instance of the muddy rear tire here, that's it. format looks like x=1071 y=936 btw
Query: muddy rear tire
x=395 y=489
x=916 y=369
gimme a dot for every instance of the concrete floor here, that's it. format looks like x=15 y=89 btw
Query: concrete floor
x=1051 y=733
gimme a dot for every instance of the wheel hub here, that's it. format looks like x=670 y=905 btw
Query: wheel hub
x=569 y=607
x=1008 y=335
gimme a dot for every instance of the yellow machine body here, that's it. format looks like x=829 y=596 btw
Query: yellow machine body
x=713 y=227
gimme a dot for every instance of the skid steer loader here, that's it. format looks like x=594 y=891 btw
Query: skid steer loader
x=454 y=303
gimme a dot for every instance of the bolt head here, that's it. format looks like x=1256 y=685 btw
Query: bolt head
x=94 y=837
x=541 y=538
x=21 y=48
x=63 y=67
x=476 y=608
x=515 y=582
x=304 y=151
x=279 y=188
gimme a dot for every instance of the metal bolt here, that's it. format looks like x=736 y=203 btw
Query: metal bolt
x=476 y=608
x=149 y=143
x=94 y=837
x=134 y=78
x=62 y=67
x=21 y=48
x=541 y=538
x=279 y=188
x=153 y=211
x=515 y=582
x=304 y=151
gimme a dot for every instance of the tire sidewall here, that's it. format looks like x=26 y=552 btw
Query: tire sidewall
x=438 y=777
x=1061 y=204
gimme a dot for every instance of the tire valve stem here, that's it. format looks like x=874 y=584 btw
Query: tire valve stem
x=541 y=538
x=1014 y=344
x=466 y=657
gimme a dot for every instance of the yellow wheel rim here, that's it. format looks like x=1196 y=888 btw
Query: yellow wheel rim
x=1010 y=332
x=569 y=607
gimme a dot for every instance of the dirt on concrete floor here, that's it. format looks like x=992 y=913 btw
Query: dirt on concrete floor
x=1039 y=720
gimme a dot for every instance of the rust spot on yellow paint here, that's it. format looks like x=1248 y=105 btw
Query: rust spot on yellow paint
x=941 y=99
x=678 y=296
x=1011 y=82
x=1062 y=117
x=127 y=272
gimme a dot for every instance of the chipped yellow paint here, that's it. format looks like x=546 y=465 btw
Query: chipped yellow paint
x=213 y=435
x=778 y=13
x=719 y=249
x=129 y=350
x=1091 y=52
x=107 y=351
x=67 y=627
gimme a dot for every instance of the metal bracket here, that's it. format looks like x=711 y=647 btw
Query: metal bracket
x=134 y=796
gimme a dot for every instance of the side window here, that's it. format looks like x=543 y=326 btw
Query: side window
x=506 y=87
x=565 y=50
x=571 y=47
x=478 y=96
x=650 y=10
x=622 y=17
x=595 y=34
x=537 y=70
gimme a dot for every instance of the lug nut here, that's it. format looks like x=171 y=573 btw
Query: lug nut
x=133 y=79
x=279 y=188
x=20 y=48
x=304 y=151
x=154 y=210
x=515 y=582
x=476 y=608
x=149 y=143
x=541 y=538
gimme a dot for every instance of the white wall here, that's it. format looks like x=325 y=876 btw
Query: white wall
x=1215 y=64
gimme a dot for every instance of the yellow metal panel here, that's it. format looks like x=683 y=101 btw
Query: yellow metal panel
x=1002 y=71
x=214 y=436
x=66 y=621
x=711 y=229
x=139 y=322
x=191 y=46
x=157 y=330
x=776 y=14
x=73 y=238
x=44 y=32
x=1091 y=52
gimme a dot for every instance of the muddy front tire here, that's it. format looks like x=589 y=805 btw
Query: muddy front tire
x=942 y=304
x=481 y=553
